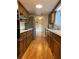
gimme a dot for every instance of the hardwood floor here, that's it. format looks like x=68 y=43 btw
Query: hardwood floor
x=38 y=49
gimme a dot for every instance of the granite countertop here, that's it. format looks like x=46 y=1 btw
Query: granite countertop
x=21 y=31
x=58 y=32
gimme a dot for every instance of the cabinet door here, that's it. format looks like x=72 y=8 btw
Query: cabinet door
x=48 y=38
x=57 y=50
x=52 y=44
x=21 y=47
x=22 y=43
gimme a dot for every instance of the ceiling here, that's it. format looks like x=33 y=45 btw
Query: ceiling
x=48 y=6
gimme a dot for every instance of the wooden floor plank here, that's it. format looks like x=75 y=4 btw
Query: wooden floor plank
x=38 y=49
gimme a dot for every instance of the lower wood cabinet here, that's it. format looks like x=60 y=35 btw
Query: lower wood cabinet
x=23 y=42
x=54 y=42
x=57 y=50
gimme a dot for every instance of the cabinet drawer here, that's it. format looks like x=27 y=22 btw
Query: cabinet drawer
x=57 y=38
x=23 y=35
x=21 y=47
x=29 y=33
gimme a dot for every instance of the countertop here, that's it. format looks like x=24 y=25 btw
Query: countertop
x=21 y=31
x=58 y=32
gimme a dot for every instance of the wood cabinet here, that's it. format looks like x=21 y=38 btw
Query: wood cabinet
x=50 y=40
x=54 y=42
x=57 y=50
x=22 y=9
x=51 y=20
x=23 y=42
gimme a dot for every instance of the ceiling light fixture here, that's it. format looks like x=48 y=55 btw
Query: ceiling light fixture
x=40 y=18
x=39 y=6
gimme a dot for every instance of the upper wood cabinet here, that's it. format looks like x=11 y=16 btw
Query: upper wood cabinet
x=22 y=9
x=52 y=18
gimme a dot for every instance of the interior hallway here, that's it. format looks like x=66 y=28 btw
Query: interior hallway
x=38 y=49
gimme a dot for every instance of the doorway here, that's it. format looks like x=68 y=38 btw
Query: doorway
x=41 y=22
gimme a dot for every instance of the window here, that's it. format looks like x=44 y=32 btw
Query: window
x=57 y=25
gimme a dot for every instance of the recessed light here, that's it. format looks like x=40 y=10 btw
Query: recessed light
x=40 y=18
x=39 y=6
